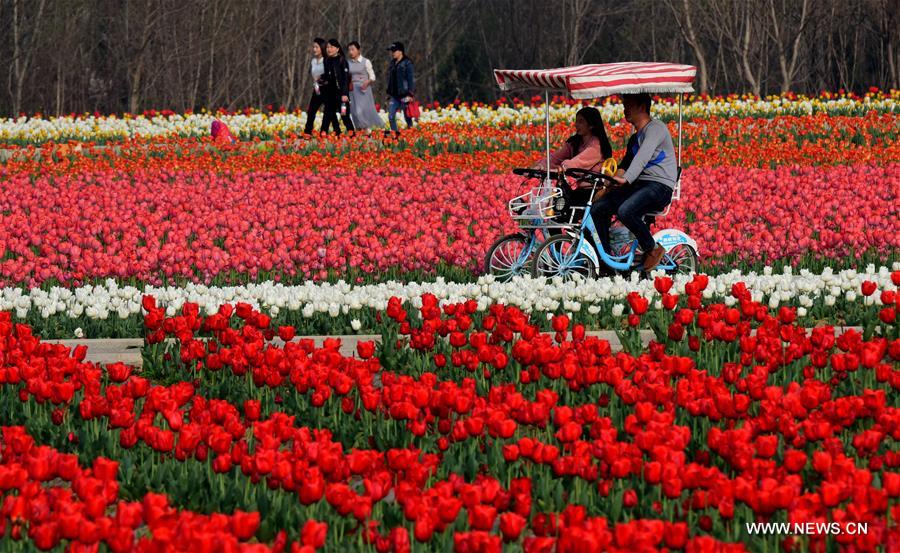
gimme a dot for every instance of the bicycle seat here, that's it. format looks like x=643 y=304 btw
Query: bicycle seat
x=676 y=194
x=654 y=214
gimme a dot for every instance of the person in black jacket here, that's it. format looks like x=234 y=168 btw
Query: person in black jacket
x=336 y=88
x=401 y=84
x=316 y=69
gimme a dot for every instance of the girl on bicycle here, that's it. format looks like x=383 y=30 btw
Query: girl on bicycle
x=586 y=149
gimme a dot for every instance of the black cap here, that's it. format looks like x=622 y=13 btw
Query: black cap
x=396 y=46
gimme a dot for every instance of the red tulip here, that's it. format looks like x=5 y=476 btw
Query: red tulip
x=252 y=409
x=560 y=323
x=245 y=524
x=511 y=526
x=366 y=350
x=638 y=304
x=314 y=534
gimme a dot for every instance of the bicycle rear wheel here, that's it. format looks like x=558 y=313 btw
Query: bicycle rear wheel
x=559 y=257
x=685 y=259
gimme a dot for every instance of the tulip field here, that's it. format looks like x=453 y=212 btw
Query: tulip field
x=465 y=430
x=488 y=417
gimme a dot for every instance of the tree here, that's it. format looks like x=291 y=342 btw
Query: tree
x=146 y=16
x=684 y=18
x=782 y=13
x=742 y=28
x=25 y=35
x=888 y=13
x=131 y=55
x=582 y=24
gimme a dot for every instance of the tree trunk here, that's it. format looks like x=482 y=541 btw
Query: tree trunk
x=787 y=65
x=747 y=43
x=22 y=53
x=137 y=72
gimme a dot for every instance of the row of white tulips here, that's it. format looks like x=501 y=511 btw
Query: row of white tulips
x=111 y=300
x=91 y=128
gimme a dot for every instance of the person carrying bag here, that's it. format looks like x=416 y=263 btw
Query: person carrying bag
x=401 y=86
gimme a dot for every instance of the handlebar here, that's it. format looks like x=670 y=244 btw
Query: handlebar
x=584 y=174
x=534 y=173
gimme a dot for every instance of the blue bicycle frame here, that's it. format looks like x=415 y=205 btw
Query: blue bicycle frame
x=620 y=263
x=530 y=247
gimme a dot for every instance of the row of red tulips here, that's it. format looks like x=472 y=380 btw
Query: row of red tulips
x=739 y=416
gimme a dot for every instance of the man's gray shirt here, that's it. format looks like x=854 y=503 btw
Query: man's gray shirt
x=650 y=155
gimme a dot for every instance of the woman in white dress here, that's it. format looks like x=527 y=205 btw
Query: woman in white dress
x=362 y=101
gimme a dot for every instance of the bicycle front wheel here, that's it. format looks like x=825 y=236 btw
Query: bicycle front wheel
x=560 y=257
x=509 y=257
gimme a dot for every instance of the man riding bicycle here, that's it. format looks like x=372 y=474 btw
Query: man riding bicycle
x=646 y=178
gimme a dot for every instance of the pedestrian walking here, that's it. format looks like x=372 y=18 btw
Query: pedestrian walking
x=316 y=69
x=336 y=88
x=362 y=99
x=401 y=84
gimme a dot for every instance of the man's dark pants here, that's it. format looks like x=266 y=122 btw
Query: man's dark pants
x=630 y=203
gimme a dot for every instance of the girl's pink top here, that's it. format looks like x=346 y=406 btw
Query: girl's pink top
x=589 y=156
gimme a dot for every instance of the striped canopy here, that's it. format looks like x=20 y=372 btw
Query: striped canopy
x=583 y=82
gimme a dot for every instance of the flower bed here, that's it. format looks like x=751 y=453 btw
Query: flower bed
x=463 y=431
x=227 y=228
x=430 y=203
x=255 y=123
x=111 y=310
